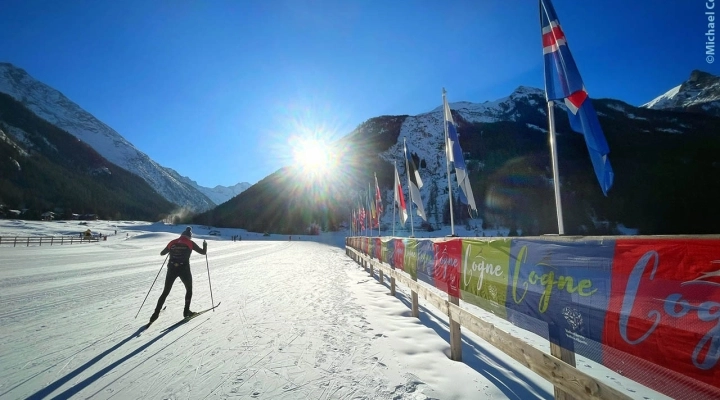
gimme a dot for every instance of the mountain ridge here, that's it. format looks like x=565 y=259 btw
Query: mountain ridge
x=506 y=150
x=699 y=93
x=54 y=107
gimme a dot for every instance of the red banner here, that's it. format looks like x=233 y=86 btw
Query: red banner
x=446 y=268
x=665 y=305
x=399 y=254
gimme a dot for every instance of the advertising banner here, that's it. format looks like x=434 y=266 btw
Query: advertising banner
x=399 y=254
x=665 y=306
x=565 y=284
x=425 y=261
x=447 y=266
x=484 y=274
x=410 y=262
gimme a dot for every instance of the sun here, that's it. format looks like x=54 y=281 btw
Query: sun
x=312 y=156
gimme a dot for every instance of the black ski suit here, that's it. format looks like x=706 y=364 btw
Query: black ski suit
x=180 y=250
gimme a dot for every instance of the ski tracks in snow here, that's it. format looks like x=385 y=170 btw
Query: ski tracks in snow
x=289 y=328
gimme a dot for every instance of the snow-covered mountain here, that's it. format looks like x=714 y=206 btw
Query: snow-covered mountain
x=700 y=93
x=57 y=109
x=424 y=134
x=218 y=194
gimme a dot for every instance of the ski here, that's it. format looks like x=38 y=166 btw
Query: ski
x=150 y=323
x=201 y=312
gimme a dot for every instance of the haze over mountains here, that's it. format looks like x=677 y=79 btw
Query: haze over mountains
x=662 y=153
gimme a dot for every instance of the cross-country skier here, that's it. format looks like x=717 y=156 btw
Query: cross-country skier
x=180 y=250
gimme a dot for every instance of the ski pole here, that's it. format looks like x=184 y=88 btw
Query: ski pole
x=151 y=286
x=210 y=283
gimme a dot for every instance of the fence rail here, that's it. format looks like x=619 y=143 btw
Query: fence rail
x=569 y=382
x=27 y=241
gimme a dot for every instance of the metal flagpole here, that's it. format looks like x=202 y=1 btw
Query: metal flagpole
x=394 y=197
x=407 y=172
x=447 y=163
x=371 y=214
x=556 y=175
x=377 y=209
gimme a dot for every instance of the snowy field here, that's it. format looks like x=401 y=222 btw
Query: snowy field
x=298 y=320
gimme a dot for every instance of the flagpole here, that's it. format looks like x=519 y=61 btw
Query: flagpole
x=362 y=207
x=365 y=214
x=371 y=212
x=447 y=165
x=407 y=172
x=395 y=196
x=377 y=209
x=556 y=175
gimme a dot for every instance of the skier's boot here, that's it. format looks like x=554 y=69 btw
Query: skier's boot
x=154 y=317
x=187 y=313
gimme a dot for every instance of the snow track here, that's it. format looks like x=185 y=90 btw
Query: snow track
x=287 y=328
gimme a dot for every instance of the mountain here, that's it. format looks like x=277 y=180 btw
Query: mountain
x=666 y=165
x=218 y=194
x=52 y=106
x=44 y=168
x=700 y=93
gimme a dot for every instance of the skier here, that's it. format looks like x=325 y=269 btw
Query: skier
x=180 y=250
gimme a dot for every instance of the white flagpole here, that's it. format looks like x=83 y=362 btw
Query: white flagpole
x=556 y=175
x=447 y=164
x=407 y=172
x=395 y=196
x=371 y=213
x=377 y=209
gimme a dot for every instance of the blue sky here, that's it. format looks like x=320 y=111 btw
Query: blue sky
x=217 y=89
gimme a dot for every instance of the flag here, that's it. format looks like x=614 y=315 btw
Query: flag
x=455 y=156
x=400 y=198
x=353 y=224
x=563 y=82
x=373 y=211
x=378 y=198
x=415 y=185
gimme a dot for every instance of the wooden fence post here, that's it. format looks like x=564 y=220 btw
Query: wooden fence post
x=392 y=285
x=415 y=311
x=28 y=242
x=568 y=357
x=15 y=242
x=455 y=334
x=381 y=277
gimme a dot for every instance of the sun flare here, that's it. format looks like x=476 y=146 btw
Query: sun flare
x=313 y=156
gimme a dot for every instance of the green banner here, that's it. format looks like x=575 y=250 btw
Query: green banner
x=484 y=274
x=411 y=257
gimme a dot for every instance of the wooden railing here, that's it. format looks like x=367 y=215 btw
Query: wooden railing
x=569 y=382
x=26 y=241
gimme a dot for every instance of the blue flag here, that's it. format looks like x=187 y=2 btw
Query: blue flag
x=563 y=82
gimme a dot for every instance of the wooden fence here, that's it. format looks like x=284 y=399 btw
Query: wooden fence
x=569 y=382
x=26 y=241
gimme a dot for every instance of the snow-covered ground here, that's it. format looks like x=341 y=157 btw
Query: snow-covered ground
x=298 y=320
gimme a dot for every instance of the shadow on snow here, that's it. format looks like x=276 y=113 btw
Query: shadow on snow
x=46 y=391
x=485 y=363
